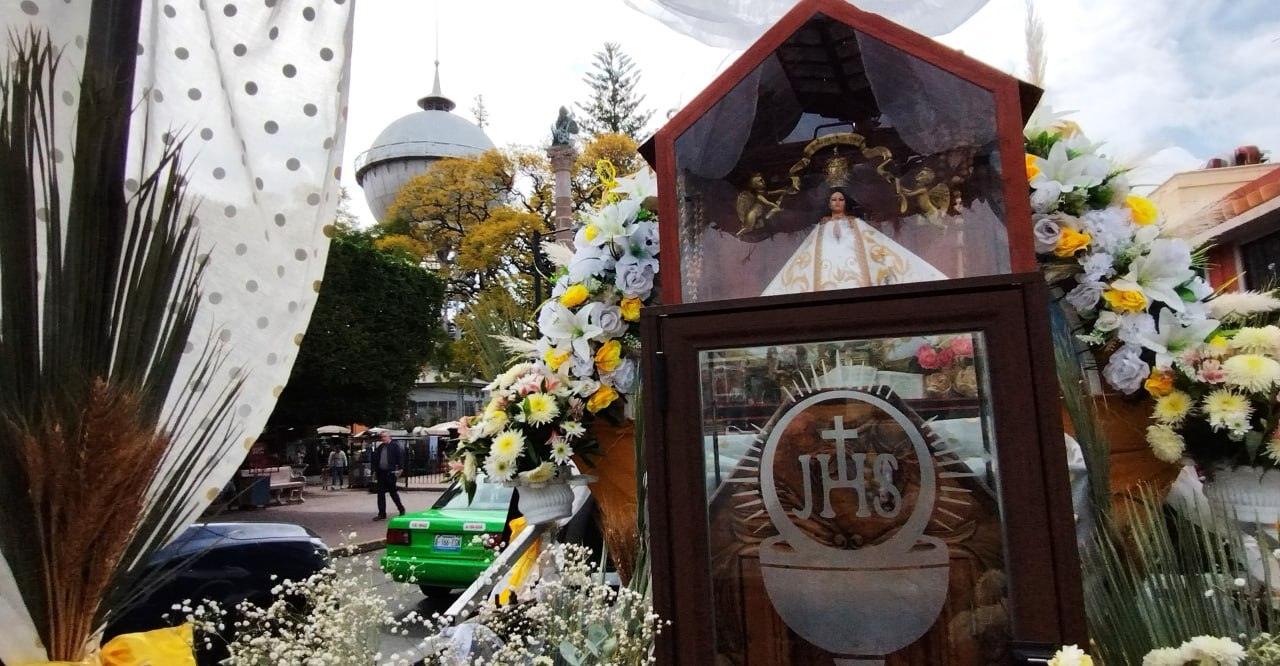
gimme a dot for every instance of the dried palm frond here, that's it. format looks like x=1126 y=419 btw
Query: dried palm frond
x=1168 y=580
x=1237 y=307
x=97 y=298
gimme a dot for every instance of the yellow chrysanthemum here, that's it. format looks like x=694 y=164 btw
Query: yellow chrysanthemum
x=1143 y=211
x=1032 y=169
x=556 y=359
x=602 y=398
x=1159 y=383
x=1252 y=372
x=1216 y=347
x=508 y=445
x=539 y=474
x=1256 y=340
x=1272 y=449
x=609 y=356
x=1070 y=242
x=1165 y=442
x=630 y=309
x=1172 y=408
x=1125 y=300
x=1225 y=408
x=539 y=408
x=574 y=296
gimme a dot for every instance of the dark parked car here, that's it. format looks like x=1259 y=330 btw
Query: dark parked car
x=223 y=562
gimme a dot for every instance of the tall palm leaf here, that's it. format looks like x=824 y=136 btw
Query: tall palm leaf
x=97 y=298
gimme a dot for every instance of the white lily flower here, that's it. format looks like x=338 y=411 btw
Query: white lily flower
x=1172 y=337
x=641 y=246
x=1061 y=173
x=574 y=328
x=1159 y=272
x=589 y=261
x=638 y=186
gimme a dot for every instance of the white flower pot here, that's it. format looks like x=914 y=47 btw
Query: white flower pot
x=545 y=502
x=1251 y=495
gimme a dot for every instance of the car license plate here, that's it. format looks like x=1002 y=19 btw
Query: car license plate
x=448 y=542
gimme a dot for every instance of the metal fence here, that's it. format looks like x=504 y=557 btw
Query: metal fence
x=426 y=461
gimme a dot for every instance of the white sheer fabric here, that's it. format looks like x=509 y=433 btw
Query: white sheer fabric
x=736 y=24
x=258 y=89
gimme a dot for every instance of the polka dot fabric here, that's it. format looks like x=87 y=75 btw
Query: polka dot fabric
x=249 y=85
x=257 y=89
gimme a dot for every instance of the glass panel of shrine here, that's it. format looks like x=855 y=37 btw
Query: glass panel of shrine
x=839 y=162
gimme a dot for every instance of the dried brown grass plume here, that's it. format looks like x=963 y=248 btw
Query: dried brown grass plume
x=87 y=483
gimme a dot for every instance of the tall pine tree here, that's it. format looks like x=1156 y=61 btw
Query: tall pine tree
x=614 y=106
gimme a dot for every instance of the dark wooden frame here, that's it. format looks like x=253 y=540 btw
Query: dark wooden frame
x=1007 y=91
x=1046 y=602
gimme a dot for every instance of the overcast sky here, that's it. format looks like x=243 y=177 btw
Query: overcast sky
x=1165 y=84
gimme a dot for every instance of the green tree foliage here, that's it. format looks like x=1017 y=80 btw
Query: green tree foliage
x=614 y=106
x=377 y=323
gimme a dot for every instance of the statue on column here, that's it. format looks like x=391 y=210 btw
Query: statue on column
x=564 y=129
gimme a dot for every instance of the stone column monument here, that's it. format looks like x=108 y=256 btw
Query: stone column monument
x=563 y=155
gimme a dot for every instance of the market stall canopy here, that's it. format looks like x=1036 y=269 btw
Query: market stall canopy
x=333 y=430
x=441 y=429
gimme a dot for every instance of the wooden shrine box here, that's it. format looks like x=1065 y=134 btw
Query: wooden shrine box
x=853 y=447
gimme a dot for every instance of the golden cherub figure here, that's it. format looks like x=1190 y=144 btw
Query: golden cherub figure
x=931 y=198
x=755 y=206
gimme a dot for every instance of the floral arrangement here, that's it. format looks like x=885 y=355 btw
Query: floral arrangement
x=590 y=329
x=535 y=420
x=948 y=366
x=1201 y=650
x=1218 y=399
x=1135 y=288
x=571 y=616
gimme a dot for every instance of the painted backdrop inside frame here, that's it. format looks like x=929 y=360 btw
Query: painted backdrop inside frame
x=839 y=162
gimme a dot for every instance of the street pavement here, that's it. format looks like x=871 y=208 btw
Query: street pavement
x=337 y=515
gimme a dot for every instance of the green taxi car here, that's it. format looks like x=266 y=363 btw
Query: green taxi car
x=448 y=545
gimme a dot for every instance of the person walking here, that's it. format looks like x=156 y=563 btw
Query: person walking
x=386 y=467
x=337 y=467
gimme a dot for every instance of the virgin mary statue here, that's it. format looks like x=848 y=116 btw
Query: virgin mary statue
x=843 y=252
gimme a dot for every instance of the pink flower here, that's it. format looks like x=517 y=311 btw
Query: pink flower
x=927 y=357
x=464 y=426
x=455 y=467
x=962 y=346
x=1190 y=356
x=1211 y=372
x=945 y=358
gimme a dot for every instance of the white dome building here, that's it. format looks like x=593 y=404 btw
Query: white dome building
x=410 y=144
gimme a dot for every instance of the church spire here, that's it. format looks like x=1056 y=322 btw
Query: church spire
x=436 y=101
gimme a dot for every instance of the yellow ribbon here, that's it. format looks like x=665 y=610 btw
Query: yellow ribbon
x=525 y=564
x=608 y=175
x=169 y=646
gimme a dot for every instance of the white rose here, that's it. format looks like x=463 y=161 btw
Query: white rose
x=634 y=279
x=1046 y=232
x=609 y=318
x=1126 y=371
x=624 y=378
x=1107 y=321
x=1086 y=295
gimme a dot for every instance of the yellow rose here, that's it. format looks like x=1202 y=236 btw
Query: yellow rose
x=555 y=359
x=630 y=309
x=609 y=356
x=1125 y=300
x=1144 y=212
x=602 y=398
x=590 y=232
x=1032 y=169
x=574 y=295
x=1070 y=242
x=1160 y=383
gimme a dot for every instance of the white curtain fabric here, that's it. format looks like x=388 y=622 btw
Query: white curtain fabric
x=736 y=24
x=258 y=89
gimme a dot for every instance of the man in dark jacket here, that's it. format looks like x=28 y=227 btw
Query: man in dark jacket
x=387 y=461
